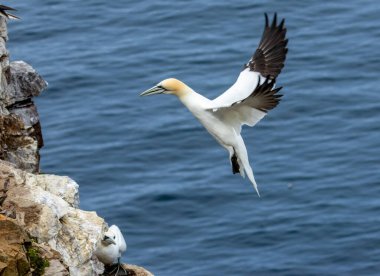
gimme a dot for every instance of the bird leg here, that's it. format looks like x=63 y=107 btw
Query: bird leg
x=235 y=164
x=120 y=265
x=116 y=270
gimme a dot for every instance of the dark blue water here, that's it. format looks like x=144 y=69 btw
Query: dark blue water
x=146 y=165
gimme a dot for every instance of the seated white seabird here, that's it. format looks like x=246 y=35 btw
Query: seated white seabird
x=111 y=247
x=246 y=102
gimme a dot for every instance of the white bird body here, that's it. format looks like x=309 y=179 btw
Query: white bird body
x=112 y=247
x=246 y=102
x=224 y=123
x=108 y=254
x=119 y=239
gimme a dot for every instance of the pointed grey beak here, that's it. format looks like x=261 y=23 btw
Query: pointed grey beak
x=108 y=240
x=154 y=90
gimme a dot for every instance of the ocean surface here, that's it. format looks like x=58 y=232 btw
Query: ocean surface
x=148 y=166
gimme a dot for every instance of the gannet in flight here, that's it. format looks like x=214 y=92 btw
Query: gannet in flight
x=4 y=13
x=111 y=247
x=246 y=102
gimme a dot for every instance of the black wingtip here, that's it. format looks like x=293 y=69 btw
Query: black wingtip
x=4 y=13
x=3 y=7
x=274 y=23
x=270 y=56
x=278 y=89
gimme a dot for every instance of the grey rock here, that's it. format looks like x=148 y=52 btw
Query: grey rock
x=61 y=186
x=3 y=28
x=27 y=113
x=20 y=129
x=3 y=50
x=44 y=207
x=24 y=83
x=25 y=157
x=42 y=204
x=19 y=144
x=3 y=110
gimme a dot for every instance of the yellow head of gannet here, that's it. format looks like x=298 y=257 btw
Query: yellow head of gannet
x=168 y=86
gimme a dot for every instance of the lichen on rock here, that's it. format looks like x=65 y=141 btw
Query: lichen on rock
x=37 y=262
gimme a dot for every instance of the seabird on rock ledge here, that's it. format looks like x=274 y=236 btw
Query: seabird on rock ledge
x=246 y=102
x=4 y=13
x=111 y=247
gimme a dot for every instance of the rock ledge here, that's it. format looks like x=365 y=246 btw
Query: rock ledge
x=42 y=229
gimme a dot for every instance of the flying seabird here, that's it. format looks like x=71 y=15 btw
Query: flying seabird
x=111 y=247
x=246 y=102
x=4 y=13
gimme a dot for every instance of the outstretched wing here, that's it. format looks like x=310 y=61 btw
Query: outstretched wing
x=253 y=108
x=263 y=98
x=267 y=61
x=270 y=56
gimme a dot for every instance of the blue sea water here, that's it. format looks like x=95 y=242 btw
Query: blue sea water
x=146 y=165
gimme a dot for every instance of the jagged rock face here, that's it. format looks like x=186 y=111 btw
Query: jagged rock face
x=25 y=83
x=21 y=137
x=19 y=144
x=42 y=207
x=3 y=29
x=77 y=240
x=14 y=244
x=56 y=266
x=20 y=129
x=13 y=260
x=46 y=208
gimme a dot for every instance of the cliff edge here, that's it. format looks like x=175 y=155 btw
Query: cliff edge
x=42 y=229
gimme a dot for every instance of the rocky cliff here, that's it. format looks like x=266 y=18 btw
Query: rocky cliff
x=42 y=229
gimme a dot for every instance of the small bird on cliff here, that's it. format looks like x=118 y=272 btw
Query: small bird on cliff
x=111 y=247
x=4 y=13
x=246 y=102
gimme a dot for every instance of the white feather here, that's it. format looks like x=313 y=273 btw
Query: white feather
x=111 y=253
x=229 y=106
x=119 y=239
x=224 y=125
x=241 y=89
